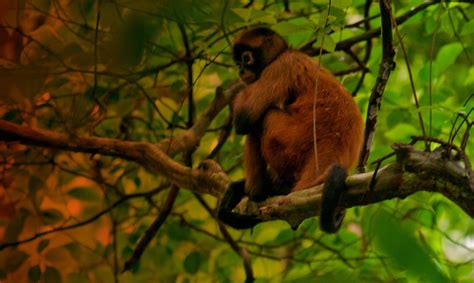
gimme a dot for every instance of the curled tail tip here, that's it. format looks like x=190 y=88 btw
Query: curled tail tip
x=334 y=187
x=337 y=172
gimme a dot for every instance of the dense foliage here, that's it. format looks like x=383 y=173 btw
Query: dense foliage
x=145 y=71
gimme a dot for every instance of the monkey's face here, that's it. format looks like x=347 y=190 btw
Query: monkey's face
x=247 y=67
x=249 y=62
x=254 y=50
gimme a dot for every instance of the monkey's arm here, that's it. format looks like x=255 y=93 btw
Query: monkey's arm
x=257 y=181
x=272 y=89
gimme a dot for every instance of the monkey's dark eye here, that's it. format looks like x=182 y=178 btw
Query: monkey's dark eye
x=247 y=58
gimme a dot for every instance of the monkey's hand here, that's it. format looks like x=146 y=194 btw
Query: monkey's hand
x=245 y=114
x=231 y=198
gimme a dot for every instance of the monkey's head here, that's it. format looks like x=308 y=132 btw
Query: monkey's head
x=254 y=50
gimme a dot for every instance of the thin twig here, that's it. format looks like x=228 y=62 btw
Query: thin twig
x=368 y=48
x=85 y=222
x=242 y=252
x=152 y=230
x=375 y=32
x=412 y=84
x=430 y=91
x=385 y=69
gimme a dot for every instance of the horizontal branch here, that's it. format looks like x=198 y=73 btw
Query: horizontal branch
x=149 y=155
x=413 y=171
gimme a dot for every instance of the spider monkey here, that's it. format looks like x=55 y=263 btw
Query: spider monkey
x=275 y=111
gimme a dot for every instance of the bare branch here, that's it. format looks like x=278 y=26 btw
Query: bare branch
x=192 y=137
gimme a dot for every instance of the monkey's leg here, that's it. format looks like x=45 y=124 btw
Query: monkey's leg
x=257 y=182
x=256 y=186
x=332 y=161
x=231 y=198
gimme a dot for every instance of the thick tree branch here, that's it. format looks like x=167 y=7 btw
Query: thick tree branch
x=151 y=156
x=413 y=171
x=147 y=154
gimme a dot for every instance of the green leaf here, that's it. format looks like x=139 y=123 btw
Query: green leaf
x=284 y=236
x=290 y=28
x=42 y=245
x=193 y=261
x=15 y=226
x=51 y=274
x=177 y=85
x=51 y=216
x=468 y=28
x=78 y=277
x=243 y=13
x=86 y=194
x=320 y=2
x=34 y=273
x=15 y=259
x=34 y=185
x=11 y=116
x=137 y=181
x=341 y=3
x=397 y=116
x=263 y=17
x=401 y=132
x=128 y=41
x=399 y=243
x=329 y=45
x=447 y=56
x=177 y=232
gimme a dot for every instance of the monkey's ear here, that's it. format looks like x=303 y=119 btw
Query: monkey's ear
x=334 y=186
x=231 y=198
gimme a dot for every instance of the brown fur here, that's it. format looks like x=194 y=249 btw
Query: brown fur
x=279 y=107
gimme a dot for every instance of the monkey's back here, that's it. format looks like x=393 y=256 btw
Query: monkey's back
x=288 y=146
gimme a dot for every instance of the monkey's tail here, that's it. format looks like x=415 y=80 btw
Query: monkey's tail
x=334 y=186
x=231 y=198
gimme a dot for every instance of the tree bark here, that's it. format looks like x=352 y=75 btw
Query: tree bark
x=412 y=171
